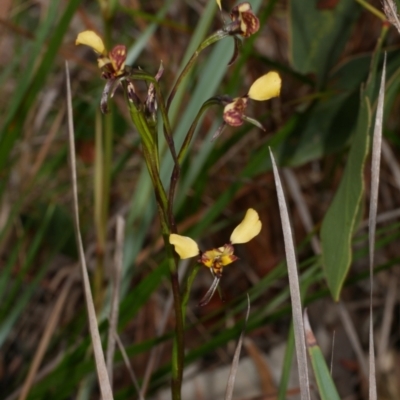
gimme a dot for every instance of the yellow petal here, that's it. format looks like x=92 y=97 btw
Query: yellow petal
x=219 y=4
x=266 y=87
x=184 y=246
x=248 y=228
x=93 y=40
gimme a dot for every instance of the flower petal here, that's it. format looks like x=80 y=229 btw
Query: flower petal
x=184 y=246
x=234 y=111
x=93 y=40
x=249 y=23
x=248 y=228
x=219 y=4
x=266 y=87
x=117 y=57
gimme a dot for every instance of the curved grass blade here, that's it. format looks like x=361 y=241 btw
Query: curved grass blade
x=235 y=362
x=294 y=287
x=101 y=368
x=51 y=326
x=116 y=284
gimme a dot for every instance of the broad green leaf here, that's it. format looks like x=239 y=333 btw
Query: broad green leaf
x=319 y=33
x=340 y=220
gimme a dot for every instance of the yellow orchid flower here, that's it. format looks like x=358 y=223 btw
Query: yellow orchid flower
x=218 y=258
x=264 y=88
x=112 y=63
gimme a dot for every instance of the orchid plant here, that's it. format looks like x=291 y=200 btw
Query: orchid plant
x=145 y=113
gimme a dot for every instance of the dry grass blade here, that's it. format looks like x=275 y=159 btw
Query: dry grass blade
x=235 y=362
x=352 y=335
x=128 y=365
x=390 y=10
x=301 y=205
x=298 y=324
x=387 y=321
x=102 y=374
x=45 y=340
x=375 y=168
x=114 y=309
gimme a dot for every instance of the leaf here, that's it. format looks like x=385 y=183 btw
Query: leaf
x=318 y=36
x=340 y=220
x=294 y=285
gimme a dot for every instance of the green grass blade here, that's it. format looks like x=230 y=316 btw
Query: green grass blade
x=326 y=387
x=30 y=84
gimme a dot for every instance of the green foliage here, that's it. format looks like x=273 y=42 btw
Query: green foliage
x=319 y=33
x=340 y=220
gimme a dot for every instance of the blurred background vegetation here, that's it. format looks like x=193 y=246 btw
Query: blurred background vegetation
x=323 y=51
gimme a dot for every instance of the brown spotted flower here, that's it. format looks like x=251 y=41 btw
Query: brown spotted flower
x=243 y=23
x=264 y=88
x=218 y=258
x=111 y=63
x=247 y=22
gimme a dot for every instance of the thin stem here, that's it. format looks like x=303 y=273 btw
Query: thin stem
x=141 y=75
x=372 y=9
x=182 y=152
x=220 y=34
x=150 y=153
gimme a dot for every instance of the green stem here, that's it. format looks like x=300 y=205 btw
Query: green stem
x=220 y=34
x=372 y=9
x=141 y=75
x=151 y=157
x=182 y=152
